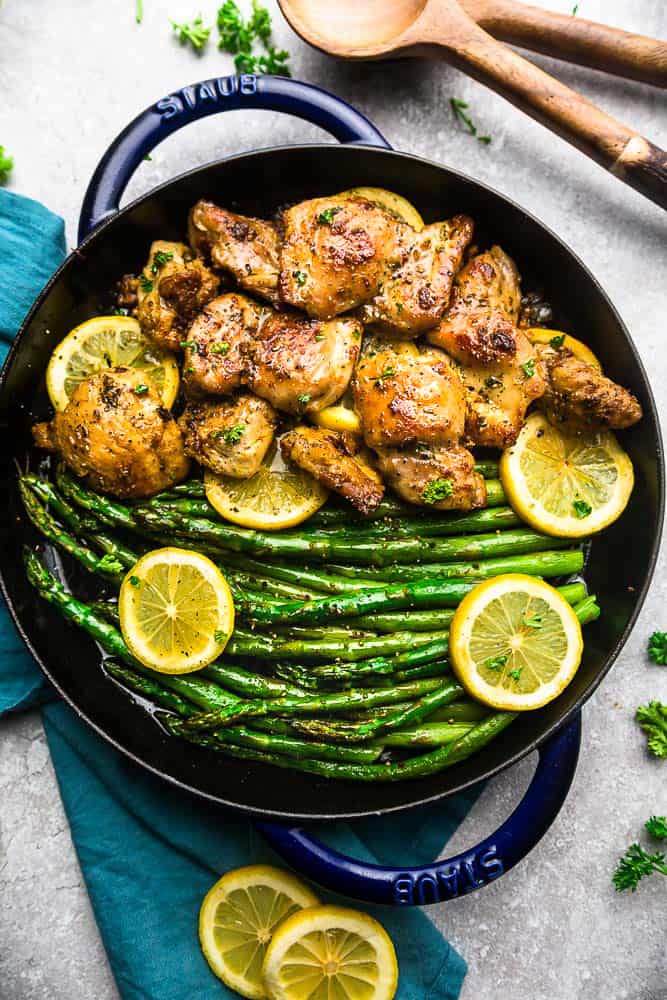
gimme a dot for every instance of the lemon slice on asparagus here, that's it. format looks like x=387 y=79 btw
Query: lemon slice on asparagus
x=238 y=918
x=568 y=485
x=108 y=342
x=330 y=952
x=542 y=335
x=279 y=495
x=393 y=203
x=176 y=610
x=515 y=643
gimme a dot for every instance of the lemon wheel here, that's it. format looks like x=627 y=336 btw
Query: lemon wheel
x=108 y=342
x=330 y=952
x=238 y=919
x=393 y=203
x=515 y=643
x=278 y=496
x=542 y=335
x=568 y=485
x=176 y=610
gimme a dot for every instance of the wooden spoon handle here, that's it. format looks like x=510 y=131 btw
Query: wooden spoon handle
x=616 y=147
x=573 y=39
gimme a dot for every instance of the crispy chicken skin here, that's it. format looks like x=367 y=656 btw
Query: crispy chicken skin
x=302 y=365
x=411 y=471
x=229 y=436
x=116 y=433
x=498 y=366
x=404 y=396
x=414 y=295
x=336 y=460
x=170 y=294
x=216 y=346
x=335 y=252
x=580 y=398
x=243 y=247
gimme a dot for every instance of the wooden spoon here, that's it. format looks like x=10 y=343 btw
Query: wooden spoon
x=377 y=29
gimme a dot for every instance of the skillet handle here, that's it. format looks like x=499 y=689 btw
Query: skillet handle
x=455 y=876
x=209 y=97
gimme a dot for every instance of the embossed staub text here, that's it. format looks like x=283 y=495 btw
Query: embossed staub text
x=455 y=879
x=210 y=91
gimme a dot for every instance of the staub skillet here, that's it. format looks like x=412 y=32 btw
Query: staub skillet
x=619 y=569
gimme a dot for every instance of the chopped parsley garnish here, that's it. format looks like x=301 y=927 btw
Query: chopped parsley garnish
x=388 y=372
x=300 y=277
x=195 y=33
x=6 y=165
x=304 y=399
x=656 y=826
x=222 y=349
x=558 y=340
x=159 y=260
x=188 y=371
x=185 y=344
x=515 y=674
x=582 y=509
x=139 y=11
x=326 y=217
x=653 y=720
x=356 y=334
x=459 y=108
x=135 y=581
x=657 y=648
x=534 y=622
x=238 y=37
x=219 y=635
x=145 y=284
x=437 y=489
x=319 y=336
x=496 y=662
x=232 y=435
x=528 y=367
x=141 y=389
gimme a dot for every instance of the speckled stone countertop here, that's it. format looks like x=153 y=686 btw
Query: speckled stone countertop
x=71 y=76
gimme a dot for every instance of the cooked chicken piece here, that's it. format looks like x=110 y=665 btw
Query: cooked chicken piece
x=215 y=350
x=335 y=253
x=443 y=478
x=172 y=289
x=498 y=366
x=302 y=365
x=413 y=296
x=116 y=433
x=581 y=397
x=404 y=395
x=229 y=436
x=244 y=247
x=337 y=461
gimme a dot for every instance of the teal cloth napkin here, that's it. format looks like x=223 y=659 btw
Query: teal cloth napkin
x=150 y=852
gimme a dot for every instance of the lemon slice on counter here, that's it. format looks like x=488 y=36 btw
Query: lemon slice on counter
x=176 y=611
x=238 y=919
x=331 y=952
x=515 y=643
x=108 y=342
x=541 y=335
x=279 y=495
x=568 y=485
x=396 y=204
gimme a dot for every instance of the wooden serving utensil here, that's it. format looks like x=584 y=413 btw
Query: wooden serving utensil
x=380 y=29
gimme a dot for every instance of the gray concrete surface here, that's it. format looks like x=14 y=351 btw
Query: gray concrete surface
x=71 y=75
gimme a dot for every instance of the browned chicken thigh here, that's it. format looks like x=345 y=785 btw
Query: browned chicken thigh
x=405 y=396
x=243 y=247
x=337 y=461
x=414 y=295
x=229 y=436
x=172 y=289
x=335 y=253
x=116 y=433
x=215 y=358
x=301 y=365
x=497 y=364
x=442 y=477
x=581 y=398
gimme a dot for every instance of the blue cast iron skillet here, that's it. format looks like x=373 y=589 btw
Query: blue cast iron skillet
x=114 y=242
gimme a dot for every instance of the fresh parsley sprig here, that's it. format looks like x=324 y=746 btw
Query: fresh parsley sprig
x=653 y=720
x=657 y=648
x=238 y=36
x=6 y=165
x=194 y=33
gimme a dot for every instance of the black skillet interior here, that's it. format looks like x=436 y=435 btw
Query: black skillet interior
x=622 y=558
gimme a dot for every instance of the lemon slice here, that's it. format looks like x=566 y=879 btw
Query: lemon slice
x=330 y=952
x=541 y=335
x=568 y=485
x=238 y=918
x=338 y=418
x=277 y=496
x=176 y=611
x=514 y=642
x=108 y=342
x=393 y=203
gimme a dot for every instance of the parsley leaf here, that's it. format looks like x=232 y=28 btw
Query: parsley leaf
x=558 y=340
x=222 y=349
x=496 y=662
x=437 y=489
x=582 y=509
x=219 y=635
x=459 y=108
x=653 y=720
x=6 y=165
x=528 y=367
x=135 y=581
x=232 y=435
x=657 y=648
x=388 y=372
x=635 y=865
x=326 y=217
x=300 y=277
x=145 y=284
x=195 y=33
x=159 y=260
x=304 y=399
x=657 y=827
x=238 y=36
x=515 y=674
x=141 y=389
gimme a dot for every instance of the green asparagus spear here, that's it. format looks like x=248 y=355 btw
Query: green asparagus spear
x=108 y=511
